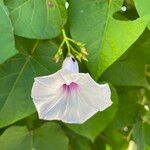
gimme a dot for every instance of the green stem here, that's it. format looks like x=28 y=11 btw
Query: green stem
x=61 y=45
x=66 y=41
x=64 y=33
x=71 y=40
x=129 y=135
x=68 y=46
x=74 y=50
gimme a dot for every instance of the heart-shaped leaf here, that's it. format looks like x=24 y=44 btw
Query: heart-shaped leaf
x=16 y=78
x=130 y=67
x=48 y=136
x=143 y=7
x=39 y=19
x=105 y=37
x=7 y=42
x=141 y=132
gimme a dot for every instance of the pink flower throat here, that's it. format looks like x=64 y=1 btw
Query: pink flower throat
x=71 y=87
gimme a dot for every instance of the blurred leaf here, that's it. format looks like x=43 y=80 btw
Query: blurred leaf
x=7 y=43
x=105 y=37
x=100 y=143
x=81 y=143
x=129 y=108
x=129 y=4
x=77 y=142
x=141 y=135
x=143 y=7
x=129 y=68
x=39 y=19
x=48 y=137
x=147 y=94
x=16 y=77
x=112 y=137
x=92 y=127
x=145 y=46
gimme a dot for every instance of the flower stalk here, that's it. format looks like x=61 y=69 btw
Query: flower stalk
x=80 y=52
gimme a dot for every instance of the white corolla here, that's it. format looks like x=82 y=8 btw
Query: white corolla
x=68 y=95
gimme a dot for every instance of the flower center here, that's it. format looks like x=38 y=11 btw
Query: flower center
x=71 y=87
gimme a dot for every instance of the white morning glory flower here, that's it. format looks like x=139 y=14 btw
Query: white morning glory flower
x=68 y=95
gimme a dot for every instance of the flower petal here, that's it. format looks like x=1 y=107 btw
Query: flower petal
x=74 y=106
x=96 y=95
x=48 y=95
x=53 y=109
x=69 y=108
x=77 y=111
x=46 y=86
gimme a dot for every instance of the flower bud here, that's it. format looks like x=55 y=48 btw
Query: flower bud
x=84 y=51
x=70 y=64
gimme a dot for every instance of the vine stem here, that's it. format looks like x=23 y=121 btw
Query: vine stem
x=129 y=135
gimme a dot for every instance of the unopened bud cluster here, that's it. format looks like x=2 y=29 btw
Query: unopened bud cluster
x=75 y=48
x=82 y=55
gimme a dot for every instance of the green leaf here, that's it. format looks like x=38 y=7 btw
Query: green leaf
x=129 y=68
x=7 y=42
x=48 y=136
x=81 y=143
x=141 y=136
x=16 y=78
x=77 y=142
x=100 y=144
x=145 y=46
x=112 y=137
x=106 y=38
x=39 y=19
x=143 y=7
x=129 y=108
x=92 y=127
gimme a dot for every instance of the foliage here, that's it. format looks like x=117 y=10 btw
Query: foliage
x=118 y=47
